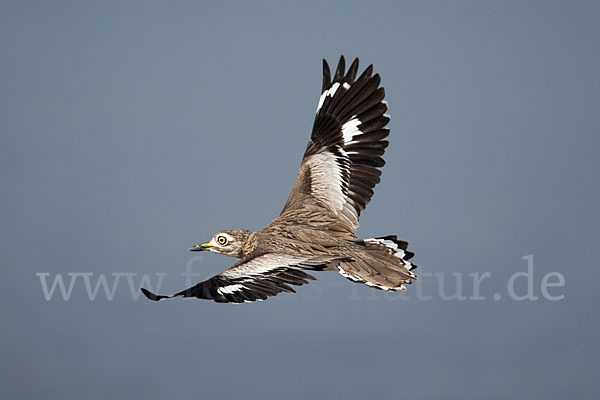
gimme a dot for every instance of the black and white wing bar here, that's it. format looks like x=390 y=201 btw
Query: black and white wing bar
x=250 y=280
x=346 y=147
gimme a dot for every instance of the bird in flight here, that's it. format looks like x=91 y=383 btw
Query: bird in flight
x=316 y=228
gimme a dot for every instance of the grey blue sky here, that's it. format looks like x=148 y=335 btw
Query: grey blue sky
x=133 y=130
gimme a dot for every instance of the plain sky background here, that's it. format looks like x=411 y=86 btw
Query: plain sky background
x=133 y=130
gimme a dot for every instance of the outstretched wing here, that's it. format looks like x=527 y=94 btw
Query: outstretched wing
x=252 y=279
x=341 y=164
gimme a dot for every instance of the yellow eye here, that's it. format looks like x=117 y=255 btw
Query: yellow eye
x=222 y=240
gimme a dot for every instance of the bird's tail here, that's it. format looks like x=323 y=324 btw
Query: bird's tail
x=381 y=263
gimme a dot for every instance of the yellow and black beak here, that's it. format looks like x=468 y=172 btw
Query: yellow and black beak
x=201 y=247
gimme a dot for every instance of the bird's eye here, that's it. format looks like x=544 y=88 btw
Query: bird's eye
x=222 y=240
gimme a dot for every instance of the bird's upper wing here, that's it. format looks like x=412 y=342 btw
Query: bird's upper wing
x=341 y=164
x=251 y=279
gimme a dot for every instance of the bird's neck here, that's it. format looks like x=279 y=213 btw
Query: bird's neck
x=250 y=244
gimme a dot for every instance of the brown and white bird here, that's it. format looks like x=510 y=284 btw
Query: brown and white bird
x=315 y=231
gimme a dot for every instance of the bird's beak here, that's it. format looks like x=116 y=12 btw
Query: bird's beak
x=201 y=247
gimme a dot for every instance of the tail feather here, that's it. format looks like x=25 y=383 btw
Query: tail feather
x=381 y=262
x=398 y=247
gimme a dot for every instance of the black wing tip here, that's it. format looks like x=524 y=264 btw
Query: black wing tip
x=340 y=71
x=367 y=73
x=326 y=75
x=352 y=71
x=152 y=296
x=308 y=276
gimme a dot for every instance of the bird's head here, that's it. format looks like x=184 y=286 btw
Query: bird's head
x=229 y=243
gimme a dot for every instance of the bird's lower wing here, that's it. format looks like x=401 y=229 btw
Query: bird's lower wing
x=256 y=278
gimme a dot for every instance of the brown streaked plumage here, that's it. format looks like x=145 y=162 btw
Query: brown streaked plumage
x=315 y=230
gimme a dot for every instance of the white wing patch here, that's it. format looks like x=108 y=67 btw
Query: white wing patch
x=350 y=130
x=262 y=265
x=326 y=179
x=329 y=92
x=229 y=289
